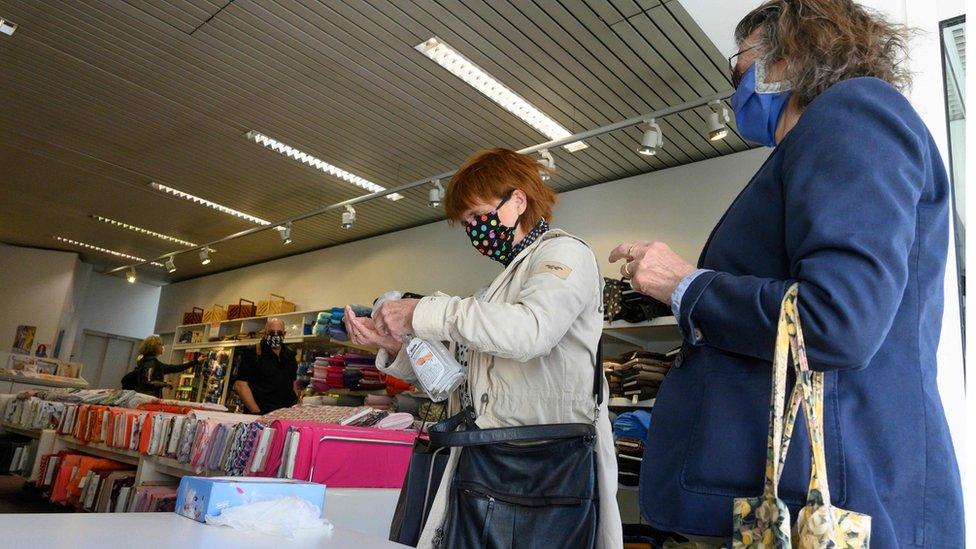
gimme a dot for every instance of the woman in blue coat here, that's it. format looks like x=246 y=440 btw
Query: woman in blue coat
x=853 y=203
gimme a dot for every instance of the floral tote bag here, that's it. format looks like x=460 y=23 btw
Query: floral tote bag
x=764 y=521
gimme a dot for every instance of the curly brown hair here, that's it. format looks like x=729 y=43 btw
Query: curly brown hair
x=826 y=41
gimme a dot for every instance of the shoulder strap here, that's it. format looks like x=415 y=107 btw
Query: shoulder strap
x=598 y=373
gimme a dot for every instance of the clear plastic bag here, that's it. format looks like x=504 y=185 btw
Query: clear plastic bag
x=277 y=517
x=438 y=373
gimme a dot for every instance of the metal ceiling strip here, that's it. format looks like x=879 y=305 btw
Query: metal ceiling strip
x=610 y=50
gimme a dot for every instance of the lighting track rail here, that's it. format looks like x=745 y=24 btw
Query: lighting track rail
x=548 y=145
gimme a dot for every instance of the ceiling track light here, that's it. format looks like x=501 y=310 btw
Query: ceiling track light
x=653 y=139
x=170 y=265
x=318 y=164
x=205 y=256
x=7 y=27
x=549 y=162
x=479 y=79
x=436 y=194
x=131 y=276
x=348 y=217
x=212 y=205
x=718 y=119
x=286 y=234
x=147 y=232
x=104 y=250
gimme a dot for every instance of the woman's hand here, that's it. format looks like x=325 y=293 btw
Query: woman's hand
x=395 y=318
x=362 y=331
x=652 y=267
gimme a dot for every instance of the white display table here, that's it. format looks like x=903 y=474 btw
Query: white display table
x=159 y=531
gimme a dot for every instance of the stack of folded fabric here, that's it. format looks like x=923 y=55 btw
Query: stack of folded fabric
x=651 y=369
x=321 y=326
x=379 y=402
x=351 y=377
x=622 y=379
x=613 y=380
x=406 y=403
x=337 y=329
x=320 y=371
x=630 y=431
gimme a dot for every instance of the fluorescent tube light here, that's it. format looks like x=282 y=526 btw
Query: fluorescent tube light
x=140 y=230
x=105 y=250
x=479 y=79
x=317 y=163
x=7 y=27
x=204 y=202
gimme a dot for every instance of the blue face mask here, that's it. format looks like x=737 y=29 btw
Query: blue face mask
x=757 y=111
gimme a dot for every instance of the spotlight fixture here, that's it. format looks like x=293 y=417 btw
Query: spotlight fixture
x=348 y=217
x=548 y=161
x=7 y=27
x=317 y=163
x=140 y=230
x=653 y=139
x=104 y=250
x=205 y=256
x=479 y=79
x=131 y=277
x=436 y=194
x=717 y=120
x=213 y=205
x=286 y=234
x=170 y=265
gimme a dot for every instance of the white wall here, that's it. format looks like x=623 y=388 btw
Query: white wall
x=113 y=306
x=678 y=206
x=36 y=289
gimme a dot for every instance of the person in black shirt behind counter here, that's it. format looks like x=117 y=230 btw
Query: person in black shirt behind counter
x=267 y=374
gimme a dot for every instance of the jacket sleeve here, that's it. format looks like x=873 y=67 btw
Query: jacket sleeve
x=173 y=368
x=399 y=368
x=563 y=279
x=852 y=178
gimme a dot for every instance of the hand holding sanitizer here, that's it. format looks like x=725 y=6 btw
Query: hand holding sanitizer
x=438 y=373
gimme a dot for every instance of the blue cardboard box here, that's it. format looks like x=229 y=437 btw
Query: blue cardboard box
x=202 y=496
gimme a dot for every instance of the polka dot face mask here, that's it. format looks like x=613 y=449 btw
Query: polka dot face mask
x=490 y=237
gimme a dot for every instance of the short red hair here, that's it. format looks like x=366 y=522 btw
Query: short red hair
x=492 y=175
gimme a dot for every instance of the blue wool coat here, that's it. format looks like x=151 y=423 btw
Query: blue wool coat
x=853 y=204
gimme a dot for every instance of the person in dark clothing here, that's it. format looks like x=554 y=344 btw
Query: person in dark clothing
x=150 y=371
x=266 y=379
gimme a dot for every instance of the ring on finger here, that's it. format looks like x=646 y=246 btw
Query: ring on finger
x=630 y=251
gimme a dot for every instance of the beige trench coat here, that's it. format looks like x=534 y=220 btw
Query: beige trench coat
x=532 y=347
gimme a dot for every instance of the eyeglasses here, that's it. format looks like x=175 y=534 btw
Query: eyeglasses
x=733 y=61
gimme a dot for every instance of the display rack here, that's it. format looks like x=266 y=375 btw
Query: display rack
x=228 y=332
x=148 y=468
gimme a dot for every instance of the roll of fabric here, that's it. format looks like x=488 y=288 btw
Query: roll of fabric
x=632 y=425
x=407 y=404
x=351 y=400
x=396 y=422
x=380 y=402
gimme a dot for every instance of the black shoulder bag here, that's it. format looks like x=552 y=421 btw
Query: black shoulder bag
x=529 y=486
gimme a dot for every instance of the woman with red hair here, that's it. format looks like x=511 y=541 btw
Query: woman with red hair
x=529 y=340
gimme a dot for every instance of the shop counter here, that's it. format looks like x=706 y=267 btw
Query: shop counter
x=158 y=530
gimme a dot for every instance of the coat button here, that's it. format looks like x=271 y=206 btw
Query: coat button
x=698 y=336
x=679 y=360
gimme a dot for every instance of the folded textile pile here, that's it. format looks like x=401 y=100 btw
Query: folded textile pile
x=330 y=323
x=630 y=432
x=622 y=302
x=638 y=373
x=318 y=414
